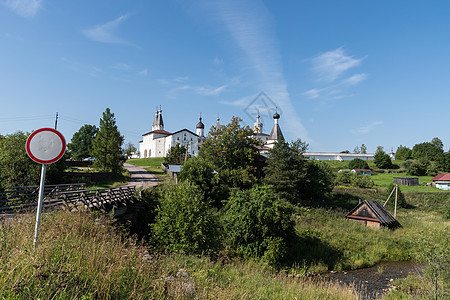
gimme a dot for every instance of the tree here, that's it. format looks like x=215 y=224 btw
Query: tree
x=357 y=150
x=437 y=143
x=80 y=145
x=17 y=168
x=232 y=151
x=418 y=167
x=363 y=149
x=176 y=155
x=185 y=222
x=403 y=153
x=295 y=178
x=129 y=150
x=258 y=224
x=106 y=146
x=427 y=150
x=381 y=159
x=358 y=163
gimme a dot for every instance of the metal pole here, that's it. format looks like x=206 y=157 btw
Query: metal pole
x=39 y=208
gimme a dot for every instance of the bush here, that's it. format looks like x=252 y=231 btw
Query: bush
x=353 y=179
x=185 y=222
x=418 y=167
x=258 y=224
x=358 y=163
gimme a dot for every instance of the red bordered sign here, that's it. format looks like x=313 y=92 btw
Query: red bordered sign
x=46 y=146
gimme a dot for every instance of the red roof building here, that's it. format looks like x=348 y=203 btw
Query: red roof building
x=442 y=181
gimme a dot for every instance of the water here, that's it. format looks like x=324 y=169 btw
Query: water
x=373 y=282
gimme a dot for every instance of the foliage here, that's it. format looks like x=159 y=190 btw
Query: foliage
x=80 y=145
x=443 y=162
x=106 y=146
x=403 y=153
x=427 y=150
x=434 y=250
x=185 y=222
x=85 y=257
x=418 y=167
x=401 y=201
x=201 y=172
x=295 y=178
x=129 y=150
x=232 y=151
x=258 y=224
x=286 y=169
x=363 y=149
x=353 y=179
x=17 y=168
x=382 y=160
x=358 y=163
x=176 y=155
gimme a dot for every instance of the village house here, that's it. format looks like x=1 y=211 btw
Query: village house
x=442 y=181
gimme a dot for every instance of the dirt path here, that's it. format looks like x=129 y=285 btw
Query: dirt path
x=140 y=177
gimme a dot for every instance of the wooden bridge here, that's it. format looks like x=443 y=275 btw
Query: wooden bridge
x=68 y=196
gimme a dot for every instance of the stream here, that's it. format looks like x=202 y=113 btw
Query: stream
x=375 y=281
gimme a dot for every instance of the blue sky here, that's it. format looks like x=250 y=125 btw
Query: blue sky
x=341 y=73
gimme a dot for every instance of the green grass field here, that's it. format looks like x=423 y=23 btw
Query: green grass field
x=152 y=165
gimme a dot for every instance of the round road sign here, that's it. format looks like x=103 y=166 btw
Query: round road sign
x=46 y=145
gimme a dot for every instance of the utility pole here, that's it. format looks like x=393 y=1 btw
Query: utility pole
x=56 y=121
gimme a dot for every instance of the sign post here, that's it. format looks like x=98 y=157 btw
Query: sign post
x=44 y=146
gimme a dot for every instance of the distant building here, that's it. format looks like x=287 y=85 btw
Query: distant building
x=442 y=181
x=362 y=171
x=158 y=141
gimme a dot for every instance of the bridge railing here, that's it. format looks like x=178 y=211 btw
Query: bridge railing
x=100 y=199
x=21 y=197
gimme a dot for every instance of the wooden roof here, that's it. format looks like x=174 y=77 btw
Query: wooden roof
x=373 y=211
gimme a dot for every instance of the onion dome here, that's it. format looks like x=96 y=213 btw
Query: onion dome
x=200 y=124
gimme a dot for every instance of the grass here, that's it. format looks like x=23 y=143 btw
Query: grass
x=82 y=256
x=329 y=242
x=152 y=165
x=383 y=180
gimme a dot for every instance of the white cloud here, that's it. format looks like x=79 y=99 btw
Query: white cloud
x=210 y=91
x=218 y=61
x=332 y=64
x=355 y=79
x=105 y=33
x=122 y=67
x=366 y=129
x=24 y=8
x=252 y=28
x=143 y=72
x=312 y=93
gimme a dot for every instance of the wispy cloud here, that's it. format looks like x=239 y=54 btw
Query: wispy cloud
x=122 y=67
x=200 y=90
x=332 y=64
x=366 y=129
x=24 y=8
x=330 y=69
x=143 y=72
x=106 y=33
x=252 y=28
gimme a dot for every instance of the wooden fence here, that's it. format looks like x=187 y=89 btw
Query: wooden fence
x=19 y=198
x=70 y=196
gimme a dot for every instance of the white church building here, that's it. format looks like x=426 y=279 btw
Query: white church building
x=157 y=142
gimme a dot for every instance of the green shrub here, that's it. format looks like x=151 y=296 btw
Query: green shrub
x=185 y=222
x=401 y=201
x=258 y=224
x=418 y=167
x=358 y=163
x=353 y=179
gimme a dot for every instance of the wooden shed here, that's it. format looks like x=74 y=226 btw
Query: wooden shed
x=373 y=214
x=408 y=181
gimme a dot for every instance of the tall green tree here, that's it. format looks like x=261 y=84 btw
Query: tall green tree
x=403 y=153
x=381 y=159
x=363 y=149
x=176 y=155
x=293 y=177
x=107 y=145
x=80 y=145
x=129 y=150
x=232 y=151
x=427 y=150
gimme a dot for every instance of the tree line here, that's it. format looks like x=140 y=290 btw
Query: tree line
x=103 y=143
